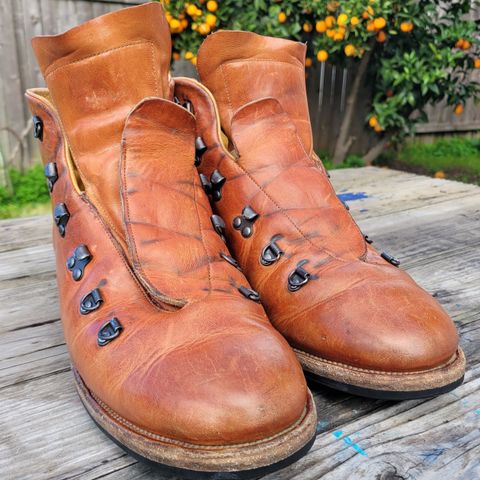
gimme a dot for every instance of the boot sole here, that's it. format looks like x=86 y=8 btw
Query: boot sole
x=385 y=385
x=219 y=462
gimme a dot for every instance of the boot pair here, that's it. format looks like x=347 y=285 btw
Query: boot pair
x=173 y=354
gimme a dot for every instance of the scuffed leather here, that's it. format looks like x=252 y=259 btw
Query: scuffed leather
x=241 y=67
x=196 y=361
x=357 y=309
x=175 y=253
x=83 y=69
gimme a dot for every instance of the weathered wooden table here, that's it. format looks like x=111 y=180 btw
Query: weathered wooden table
x=432 y=225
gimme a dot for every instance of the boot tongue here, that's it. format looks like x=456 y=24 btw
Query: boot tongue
x=241 y=67
x=96 y=73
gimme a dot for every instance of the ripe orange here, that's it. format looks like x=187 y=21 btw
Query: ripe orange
x=308 y=62
x=307 y=27
x=380 y=23
x=212 y=6
x=477 y=63
x=321 y=26
x=322 y=56
x=354 y=21
x=282 y=17
x=175 y=26
x=458 y=109
x=210 y=19
x=192 y=10
x=342 y=19
x=204 y=29
x=406 y=27
x=381 y=36
x=373 y=122
x=188 y=55
x=350 y=50
x=330 y=21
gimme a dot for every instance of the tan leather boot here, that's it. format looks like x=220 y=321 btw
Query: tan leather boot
x=356 y=322
x=173 y=356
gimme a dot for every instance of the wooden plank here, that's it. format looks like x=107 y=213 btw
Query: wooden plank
x=390 y=191
x=19 y=233
x=436 y=235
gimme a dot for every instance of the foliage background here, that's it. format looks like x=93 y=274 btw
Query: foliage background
x=417 y=52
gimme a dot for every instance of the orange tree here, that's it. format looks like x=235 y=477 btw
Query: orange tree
x=410 y=53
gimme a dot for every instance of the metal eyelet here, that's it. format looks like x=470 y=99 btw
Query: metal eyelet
x=108 y=331
x=200 y=149
x=271 y=253
x=298 y=278
x=207 y=186
x=245 y=221
x=37 y=127
x=219 y=226
x=51 y=174
x=249 y=293
x=367 y=239
x=90 y=302
x=217 y=180
x=230 y=260
x=213 y=186
x=395 y=262
x=61 y=216
x=77 y=262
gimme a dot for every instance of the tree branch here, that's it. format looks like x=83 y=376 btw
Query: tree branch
x=344 y=141
x=376 y=151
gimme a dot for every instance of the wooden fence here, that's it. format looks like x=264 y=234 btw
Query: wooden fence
x=22 y=19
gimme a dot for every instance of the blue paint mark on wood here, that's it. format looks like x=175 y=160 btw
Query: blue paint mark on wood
x=432 y=455
x=352 y=196
x=321 y=426
x=348 y=441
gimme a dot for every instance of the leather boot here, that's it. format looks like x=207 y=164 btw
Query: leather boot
x=173 y=356
x=356 y=321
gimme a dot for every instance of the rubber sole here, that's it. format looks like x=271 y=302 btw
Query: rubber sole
x=381 y=394
x=228 y=462
x=197 y=475
x=385 y=385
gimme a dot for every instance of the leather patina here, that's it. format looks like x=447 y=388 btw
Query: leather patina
x=170 y=357
x=329 y=292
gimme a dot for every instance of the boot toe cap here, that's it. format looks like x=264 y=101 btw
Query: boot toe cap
x=382 y=326
x=232 y=379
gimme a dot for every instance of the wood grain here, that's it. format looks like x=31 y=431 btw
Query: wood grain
x=431 y=225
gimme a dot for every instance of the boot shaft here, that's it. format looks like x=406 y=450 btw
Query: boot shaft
x=133 y=151
x=96 y=73
x=242 y=67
